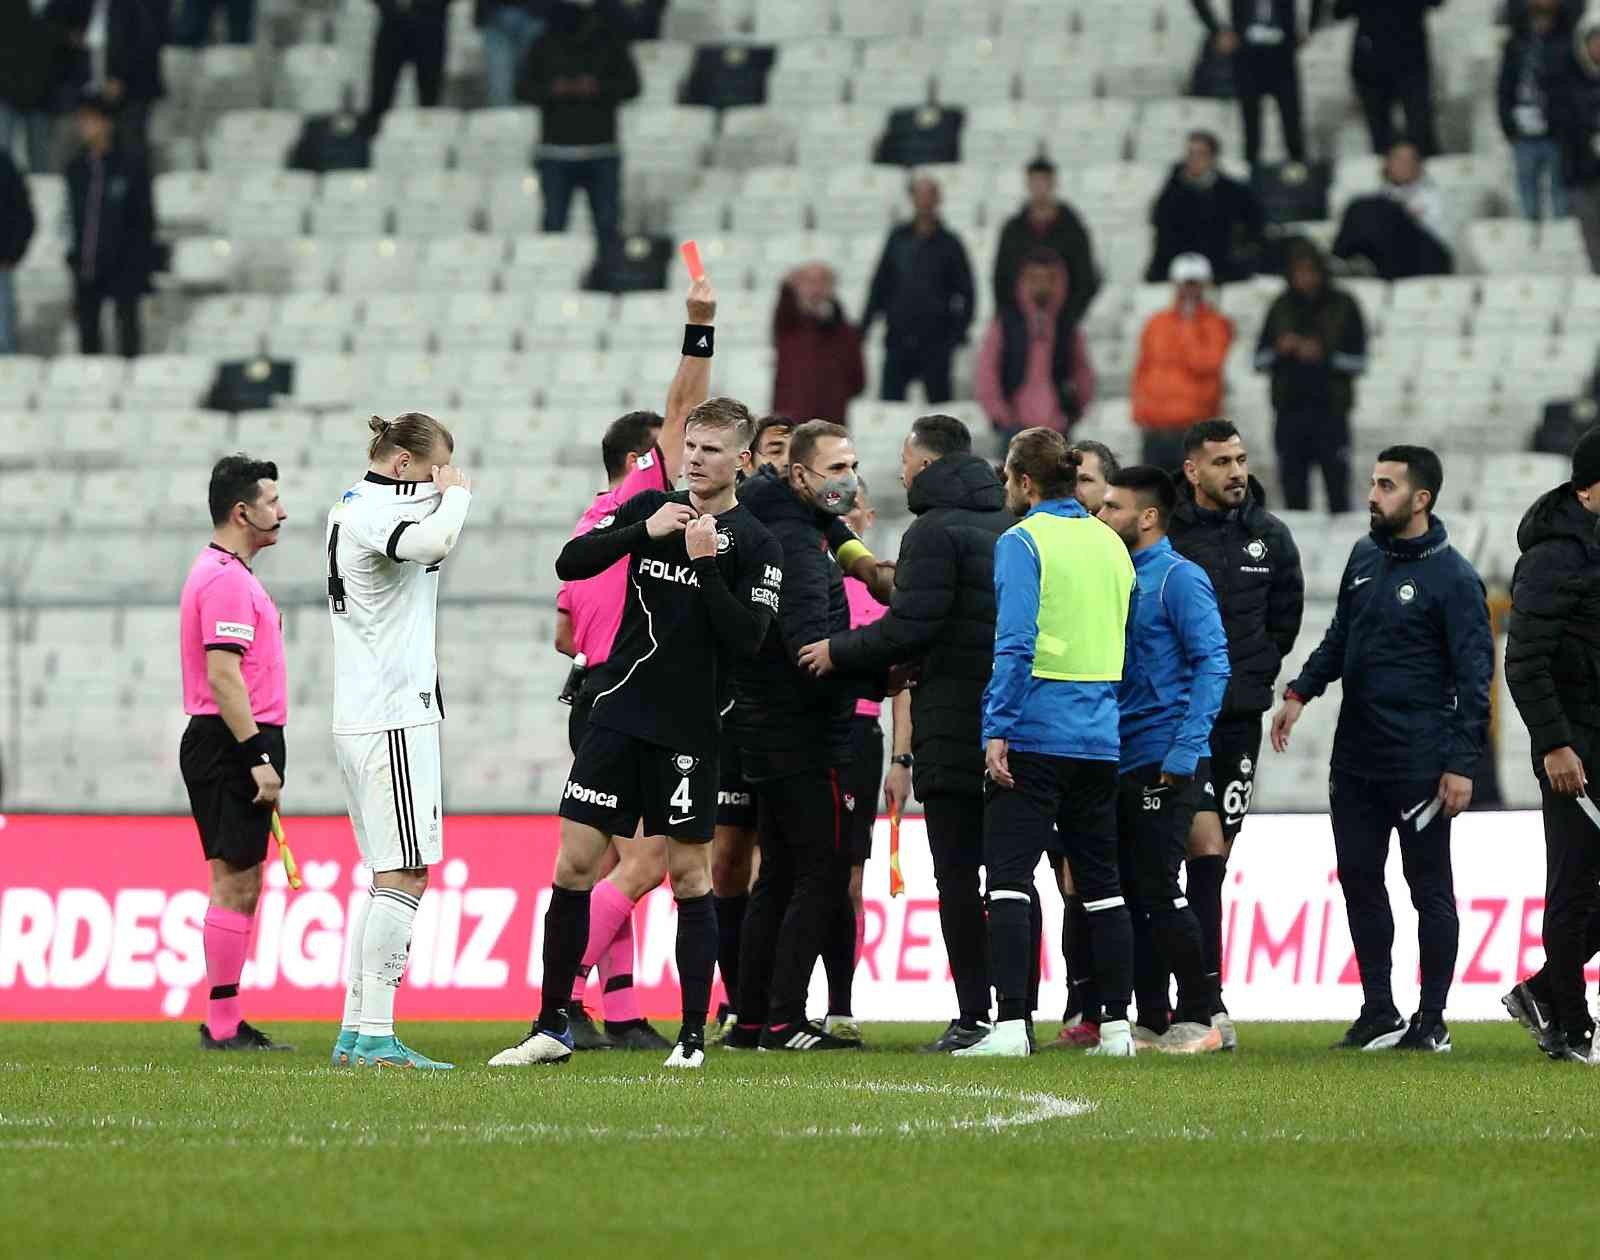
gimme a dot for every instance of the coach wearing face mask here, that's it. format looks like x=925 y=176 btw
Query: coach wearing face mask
x=794 y=735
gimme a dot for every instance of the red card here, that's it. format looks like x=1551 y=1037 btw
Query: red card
x=691 y=259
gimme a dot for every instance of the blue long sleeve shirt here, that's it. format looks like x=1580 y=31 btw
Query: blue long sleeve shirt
x=1177 y=670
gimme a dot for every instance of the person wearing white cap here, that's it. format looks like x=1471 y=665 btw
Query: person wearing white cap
x=1177 y=381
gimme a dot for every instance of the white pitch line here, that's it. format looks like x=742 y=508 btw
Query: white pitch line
x=1004 y=1110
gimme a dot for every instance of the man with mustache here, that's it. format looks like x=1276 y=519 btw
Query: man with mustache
x=1411 y=640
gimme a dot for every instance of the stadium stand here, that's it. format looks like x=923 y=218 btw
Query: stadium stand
x=425 y=283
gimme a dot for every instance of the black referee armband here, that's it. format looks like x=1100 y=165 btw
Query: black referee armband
x=254 y=751
x=699 y=341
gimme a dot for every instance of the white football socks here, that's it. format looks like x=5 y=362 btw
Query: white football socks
x=385 y=949
x=352 y=990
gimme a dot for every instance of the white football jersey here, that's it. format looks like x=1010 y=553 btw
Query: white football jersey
x=384 y=609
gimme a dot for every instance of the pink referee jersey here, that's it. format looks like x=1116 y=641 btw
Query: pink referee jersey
x=224 y=605
x=864 y=610
x=595 y=604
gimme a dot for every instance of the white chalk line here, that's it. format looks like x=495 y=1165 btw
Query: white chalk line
x=1002 y=1110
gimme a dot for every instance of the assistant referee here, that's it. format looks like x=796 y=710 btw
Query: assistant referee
x=235 y=689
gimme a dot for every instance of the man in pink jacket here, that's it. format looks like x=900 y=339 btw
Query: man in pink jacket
x=1033 y=367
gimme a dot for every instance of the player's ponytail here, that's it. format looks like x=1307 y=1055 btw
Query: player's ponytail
x=1043 y=456
x=414 y=432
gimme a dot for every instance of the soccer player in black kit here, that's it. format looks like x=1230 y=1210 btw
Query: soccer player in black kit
x=704 y=581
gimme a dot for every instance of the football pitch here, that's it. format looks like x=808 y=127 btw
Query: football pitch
x=123 y=1139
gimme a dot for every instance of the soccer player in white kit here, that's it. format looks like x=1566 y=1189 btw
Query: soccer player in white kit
x=387 y=537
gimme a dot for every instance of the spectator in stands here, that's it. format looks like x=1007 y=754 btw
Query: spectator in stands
x=16 y=230
x=1263 y=38
x=509 y=28
x=30 y=50
x=1581 y=137
x=112 y=212
x=193 y=28
x=1202 y=211
x=410 y=33
x=1404 y=230
x=820 y=366
x=1047 y=220
x=923 y=289
x=1314 y=343
x=1178 y=379
x=1532 y=67
x=1390 y=66
x=1033 y=368
x=578 y=72
x=116 y=53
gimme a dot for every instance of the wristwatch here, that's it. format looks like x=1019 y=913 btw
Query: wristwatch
x=1289 y=693
x=902 y=759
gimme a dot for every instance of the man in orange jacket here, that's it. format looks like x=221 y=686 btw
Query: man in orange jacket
x=1178 y=380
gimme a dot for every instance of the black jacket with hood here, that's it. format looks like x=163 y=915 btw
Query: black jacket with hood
x=1553 y=646
x=1254 y=566
x=784 y=720
x=942 y=615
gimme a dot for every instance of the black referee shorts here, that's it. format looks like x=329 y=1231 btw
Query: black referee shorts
x=617 y=780
x=861 y=781
x=578 y=720
x=221 y=791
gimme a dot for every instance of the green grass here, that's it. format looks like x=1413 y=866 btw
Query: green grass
x=120 y=1140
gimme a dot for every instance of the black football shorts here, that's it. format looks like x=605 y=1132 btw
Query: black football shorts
x=618 y=780
x=1235 y=750
x=736 y=799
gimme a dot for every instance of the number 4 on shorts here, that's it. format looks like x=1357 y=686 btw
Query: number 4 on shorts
x=680 y=799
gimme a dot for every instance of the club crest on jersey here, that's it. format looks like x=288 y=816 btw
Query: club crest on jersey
x=724 y=541
x=1407 y=592
x=685 y=764
x=849 y=802
x=1256 y=549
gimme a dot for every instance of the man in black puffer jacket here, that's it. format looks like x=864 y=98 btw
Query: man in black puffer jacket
x=794 y=733
x=942 y=617
x=1254 y=567
x=1553 y=670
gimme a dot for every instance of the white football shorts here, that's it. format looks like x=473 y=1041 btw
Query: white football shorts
x=393 y=790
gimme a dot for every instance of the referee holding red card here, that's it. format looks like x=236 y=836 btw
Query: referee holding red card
x=232 y=755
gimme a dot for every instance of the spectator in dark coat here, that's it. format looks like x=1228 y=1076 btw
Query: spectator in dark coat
x=1553 y=672
x=126 y=67
x=941 y=617
x=113 y=229
x=1580 y=132
x=30 y=49
x=1048 y=221
x=820 y=366
x=1202 y=211
x=16 y=230
x=578 y=73
x=1390 y=66
x=1314 y=343
x=1263 y=37
x=1406 y=229
x=923 y=289
x=410 y=32
x=1530 y=95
